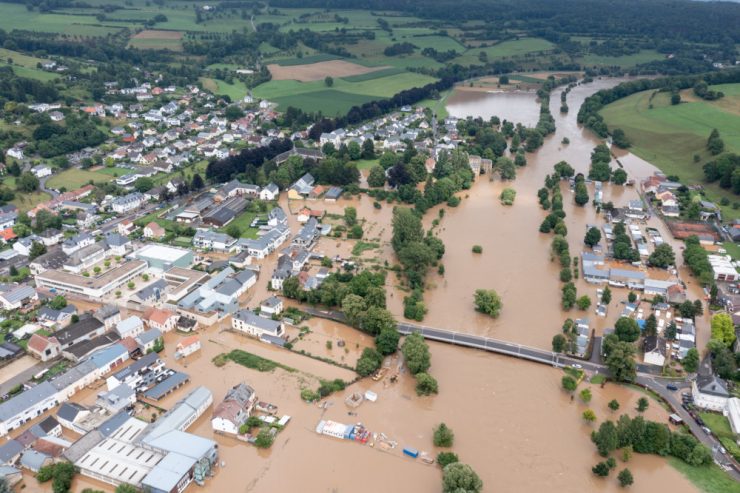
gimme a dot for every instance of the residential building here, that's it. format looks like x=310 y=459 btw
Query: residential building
x=233 y=411
x=44 y=348
x=271 y=306
x=709 y=392
x=654 y=349
x=161 y=319
x=154 y=230
x=130 y=327
x=16 y=296
x=147 y=340
x=187 y=346
x=248 y=322
x=128 y=203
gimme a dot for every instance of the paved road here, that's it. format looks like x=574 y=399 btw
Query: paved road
x=24 y=376
x=42 y=186
x=647 y=375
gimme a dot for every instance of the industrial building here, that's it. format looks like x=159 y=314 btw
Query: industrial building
x=162 y=257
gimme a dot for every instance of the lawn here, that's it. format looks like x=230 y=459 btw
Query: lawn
x=74 y=178
x=668 y=136
x=366 y=163
x=250 y=361
x=27 y=201
x=235 y=91
x=720 y=426
x=243 y=222
x=156 y=44
x=25 y=65
x=709 y=479
x=114 y=171
x=438 y=106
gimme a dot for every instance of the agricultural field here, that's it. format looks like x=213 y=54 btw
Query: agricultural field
x=624 y=61
x=25 y=65
x=157 y=40
x=74 y=178
x=669 y=136
x=318 y=71
x=235 y=91
x=16 y=15
x=505 y=49
x=315 y=96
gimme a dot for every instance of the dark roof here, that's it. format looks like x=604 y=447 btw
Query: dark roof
x=167 y=385
x=77 y=330
x=83 y=348
x=68 y=411
x=54 y=259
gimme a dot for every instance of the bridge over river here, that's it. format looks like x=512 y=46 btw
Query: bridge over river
x=648 y=376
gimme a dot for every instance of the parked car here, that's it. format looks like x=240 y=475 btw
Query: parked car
x=671 y=387
x=576 y=366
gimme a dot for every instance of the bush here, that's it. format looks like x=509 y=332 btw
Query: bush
x=446 y=458
x=443 y=436
x=264 y=439
x=477 y=249
x=488 y=301
x=625 y=478
x=369 y=362
x=507 y=196
x=426 y=384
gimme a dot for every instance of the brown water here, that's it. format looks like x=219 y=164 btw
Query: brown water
x=514 y=106
x=516 y=260
x=512 y=422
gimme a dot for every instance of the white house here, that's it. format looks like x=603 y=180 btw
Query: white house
x=164 y=320
x=270 y=192
x=710 y=392
x=248 y=322
x=41 y=171
x=271 y=306
x=187 y=346
x=655 y=350
x=234 y=410
x=130 y=327
x=128 y=202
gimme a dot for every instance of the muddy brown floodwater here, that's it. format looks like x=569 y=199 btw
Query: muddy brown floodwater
x=512 y=421
x=514 y=106
x=516 y=260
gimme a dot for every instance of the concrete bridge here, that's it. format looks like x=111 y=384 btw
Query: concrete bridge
x=648 y=376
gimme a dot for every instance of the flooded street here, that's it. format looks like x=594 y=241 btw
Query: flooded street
x=512 y=422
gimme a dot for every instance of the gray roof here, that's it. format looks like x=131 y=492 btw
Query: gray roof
x=77 y=330
x=33 y=460
x=15 y=405
x=251 y=318
x=115 y=239
x=47 y=313
x=150 y=335
x=165 y=386
x=9 y=451
x=19 y=293
x=142 y=363
x=712 y=385
x=150 y=290
x=271 y=302
x=68 y=411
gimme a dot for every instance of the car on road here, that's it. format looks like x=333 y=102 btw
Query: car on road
x=706 y=430
x=576 y=366
x=700 y=421
x=671 y=387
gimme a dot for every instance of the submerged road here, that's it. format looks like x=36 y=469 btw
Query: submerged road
x=648 y=376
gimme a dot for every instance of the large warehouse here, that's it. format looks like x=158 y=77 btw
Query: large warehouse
x=162 y=257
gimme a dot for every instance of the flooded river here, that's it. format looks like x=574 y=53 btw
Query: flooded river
x=512 y=422
x=516 y=260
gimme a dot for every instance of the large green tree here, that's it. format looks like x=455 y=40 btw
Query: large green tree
x=460 y=478
x=488 y=301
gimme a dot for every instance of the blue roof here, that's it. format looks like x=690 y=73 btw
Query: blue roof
x=103 y=357
x=166 y=385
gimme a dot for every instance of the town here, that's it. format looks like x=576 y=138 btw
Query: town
x=221 y=268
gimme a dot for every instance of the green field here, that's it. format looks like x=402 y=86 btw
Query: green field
x=315 y=96
x=114 y=172
x=243 y=221
x=669 y=136
x=321 y=57
x=16 y=16
x=74 y=178
x=709 y=479
x=644 y=56
x=156 y=44
x=235 y=91
x=720 y=426
x=27 y=201
x=25 y=65
x=378 y=74
x=510 y=49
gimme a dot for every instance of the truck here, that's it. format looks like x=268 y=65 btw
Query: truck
x=411 y=452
